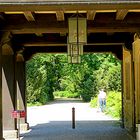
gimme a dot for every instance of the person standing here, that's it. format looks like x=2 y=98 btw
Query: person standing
x=102 y=100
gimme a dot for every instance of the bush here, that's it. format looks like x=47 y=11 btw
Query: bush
x=66 y=94
x=113 y=106
x=86 y=97
x=34 y=104
x=94 y=102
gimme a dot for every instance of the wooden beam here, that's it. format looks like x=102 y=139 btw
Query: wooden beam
x=121 y=14
x=39 y=30
x=46 y=44
x=1 y=99
x=6 y=44
x=14 y=12
x=29 y=16
x=7 y=50
x=60 y=16
x=67 y=7
x=106 y=29
x=91 y=14
x=49 y=24
x=19 y=57
x=42 y=44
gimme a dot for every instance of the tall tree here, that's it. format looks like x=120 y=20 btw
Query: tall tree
x=47 y=73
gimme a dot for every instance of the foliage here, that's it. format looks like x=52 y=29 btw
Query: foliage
x=34 y=104
x=48 y=75
x=108 y=76
x=66 y=94
x=94 y=102
x=86 y=88
x=113 y=106
x=42 y=78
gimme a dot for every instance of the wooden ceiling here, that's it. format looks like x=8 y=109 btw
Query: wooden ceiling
x=56 y=21
x=43 y=20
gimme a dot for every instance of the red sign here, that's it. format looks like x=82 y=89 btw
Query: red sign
x=15 y=114
x=18 y=113
x=22 y=114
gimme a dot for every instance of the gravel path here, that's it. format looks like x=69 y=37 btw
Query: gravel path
x=53 y=122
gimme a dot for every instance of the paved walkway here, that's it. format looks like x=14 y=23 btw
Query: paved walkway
x=53 y=122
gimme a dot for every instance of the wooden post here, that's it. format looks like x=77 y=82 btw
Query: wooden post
x=8 y=88
x=128 y=93
x=73 y=118
x=20 y=86
x=1 y=122
x=136 y=59
x=18 y=123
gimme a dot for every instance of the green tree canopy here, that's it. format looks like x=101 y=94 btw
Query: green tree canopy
x=47 y=73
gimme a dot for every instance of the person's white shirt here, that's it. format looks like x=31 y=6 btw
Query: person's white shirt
x=102 y=94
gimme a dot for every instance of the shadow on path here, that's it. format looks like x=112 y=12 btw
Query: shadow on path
x=85 y=130
x=53 y=122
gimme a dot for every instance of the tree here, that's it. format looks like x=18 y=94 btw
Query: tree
x=53 y=73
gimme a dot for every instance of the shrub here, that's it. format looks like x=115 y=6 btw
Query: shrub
x=34 y=104
x=94 y=102
x=66 y=94
x=85 y=97
x=113 y=106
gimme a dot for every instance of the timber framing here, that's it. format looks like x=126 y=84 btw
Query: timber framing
x=121 y=14
x=28 y=27
x=29 y=16
x=47 y=23
x=43 y=25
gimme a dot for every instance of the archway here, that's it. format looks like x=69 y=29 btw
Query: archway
x=27 y=28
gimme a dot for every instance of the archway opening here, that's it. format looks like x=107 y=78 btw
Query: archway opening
x=71 y=84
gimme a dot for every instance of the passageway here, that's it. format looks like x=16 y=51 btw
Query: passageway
x=53 y=122
x=28 y=27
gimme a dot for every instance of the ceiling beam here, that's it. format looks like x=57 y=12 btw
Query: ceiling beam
x=91 y=14
x=93 y=29
x=67 y=7
x=49 y=24
x=42 y=44
x=60 y=16
x=29 y=16
x=39 y=30
x=121 y=14
x=45 y=44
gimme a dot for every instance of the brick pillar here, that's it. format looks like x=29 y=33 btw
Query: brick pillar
x=128 y=92
x=20 y=83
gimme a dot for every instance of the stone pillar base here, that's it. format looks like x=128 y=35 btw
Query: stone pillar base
x=24 y=126
x=10 y=134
